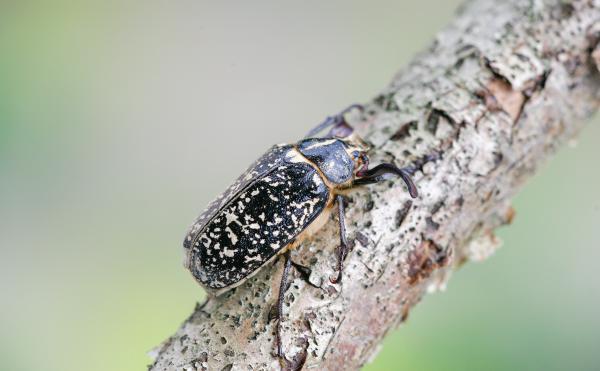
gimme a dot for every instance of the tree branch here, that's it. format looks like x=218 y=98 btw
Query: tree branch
x=499 y=90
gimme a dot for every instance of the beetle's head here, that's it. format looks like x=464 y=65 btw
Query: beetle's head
x=357 y=149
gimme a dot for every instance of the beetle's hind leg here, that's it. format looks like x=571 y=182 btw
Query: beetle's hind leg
x=343 y=248
x=377 y=174
x=298 y=361
x=282 y=287
x=340 y=127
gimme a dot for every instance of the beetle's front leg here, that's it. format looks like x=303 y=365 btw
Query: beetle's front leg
x=343 y=248
x=339 y=126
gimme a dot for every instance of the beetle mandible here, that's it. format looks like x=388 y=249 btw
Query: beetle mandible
x=283 y=198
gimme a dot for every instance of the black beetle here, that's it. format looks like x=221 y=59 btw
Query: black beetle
x=284 y=197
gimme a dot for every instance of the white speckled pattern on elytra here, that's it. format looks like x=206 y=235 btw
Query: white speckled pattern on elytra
x=265 y=210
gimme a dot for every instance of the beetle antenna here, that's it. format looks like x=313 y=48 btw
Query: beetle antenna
x=377 y=173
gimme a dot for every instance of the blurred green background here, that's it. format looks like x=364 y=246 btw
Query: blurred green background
x=120 y=121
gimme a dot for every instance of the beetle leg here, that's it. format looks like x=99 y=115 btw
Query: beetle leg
x=343 y=248
x=282 y=288
x=377 y=174
x=340 y=127
x=329 y=121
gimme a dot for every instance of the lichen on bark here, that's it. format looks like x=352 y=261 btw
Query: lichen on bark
x=498 y=91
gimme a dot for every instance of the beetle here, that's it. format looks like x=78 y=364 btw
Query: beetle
x=283 y=198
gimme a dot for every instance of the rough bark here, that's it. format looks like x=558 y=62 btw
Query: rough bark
x=499 y=90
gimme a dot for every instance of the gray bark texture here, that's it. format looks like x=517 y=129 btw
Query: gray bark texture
x=499 y=91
